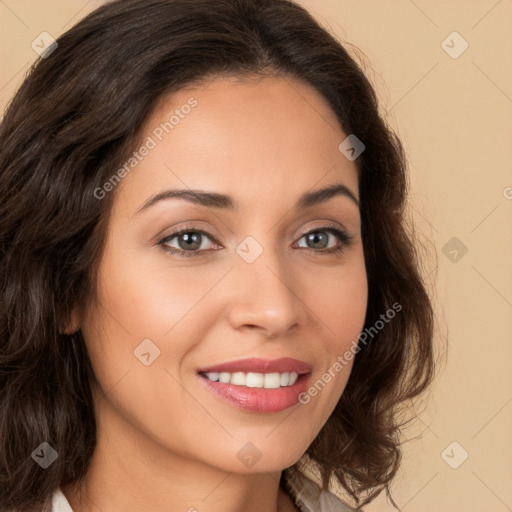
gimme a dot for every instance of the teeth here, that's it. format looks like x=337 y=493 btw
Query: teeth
x=223 y=376
x=215 y=376
x=272 y=380
x=238 y=378
x=255 y=380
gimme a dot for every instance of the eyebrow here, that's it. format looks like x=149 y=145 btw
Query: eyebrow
x=216 y=200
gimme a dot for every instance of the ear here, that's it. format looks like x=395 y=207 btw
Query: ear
x=72 y=325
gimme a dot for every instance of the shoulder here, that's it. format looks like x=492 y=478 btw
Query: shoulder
x=309 y=497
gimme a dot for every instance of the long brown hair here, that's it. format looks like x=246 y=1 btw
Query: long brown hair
x=68 y=129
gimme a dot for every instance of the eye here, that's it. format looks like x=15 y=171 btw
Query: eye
x=318 y=238
x=189 y=241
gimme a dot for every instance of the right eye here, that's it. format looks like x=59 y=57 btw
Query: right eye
x=190 y=242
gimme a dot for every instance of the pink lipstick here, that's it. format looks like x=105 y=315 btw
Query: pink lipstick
x=258 y=385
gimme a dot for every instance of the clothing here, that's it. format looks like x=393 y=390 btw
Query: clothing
x=60 y=503
x=308 y=497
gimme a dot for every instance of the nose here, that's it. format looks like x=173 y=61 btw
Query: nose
x=265 y=296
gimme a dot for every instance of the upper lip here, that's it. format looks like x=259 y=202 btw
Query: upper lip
x=257 y=365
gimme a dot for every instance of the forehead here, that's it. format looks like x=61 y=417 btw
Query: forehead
x=235 y=135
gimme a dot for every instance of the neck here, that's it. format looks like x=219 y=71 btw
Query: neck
x=130 y=472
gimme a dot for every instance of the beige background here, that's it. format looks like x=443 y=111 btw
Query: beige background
x=454 y=117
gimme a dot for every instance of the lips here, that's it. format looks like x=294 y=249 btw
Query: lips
x=258 y=399
x=257 y=365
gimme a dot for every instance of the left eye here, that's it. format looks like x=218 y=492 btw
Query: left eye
x=321 y=237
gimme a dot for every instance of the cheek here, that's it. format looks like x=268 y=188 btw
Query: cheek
x=339 y=299
x=149 y=296
x=136 y=338
x=340 y=302
x=141 y=300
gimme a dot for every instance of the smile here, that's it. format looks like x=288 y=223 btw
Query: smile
x=254 y=380
x=257 y=385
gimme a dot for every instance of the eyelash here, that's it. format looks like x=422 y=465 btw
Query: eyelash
x=343 y=236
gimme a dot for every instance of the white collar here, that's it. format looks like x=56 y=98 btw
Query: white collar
x=60 y=503
x=309 y=497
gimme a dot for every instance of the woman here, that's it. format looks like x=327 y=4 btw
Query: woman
x=209 y=297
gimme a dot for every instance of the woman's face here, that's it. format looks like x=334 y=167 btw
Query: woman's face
x=250 y=283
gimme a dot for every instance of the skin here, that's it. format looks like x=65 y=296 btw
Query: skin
x=165 y=442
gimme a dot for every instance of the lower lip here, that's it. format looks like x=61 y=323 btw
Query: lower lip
x=261 y=400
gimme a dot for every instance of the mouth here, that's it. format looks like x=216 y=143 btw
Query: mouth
x=253 y=379
x=258 y=385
